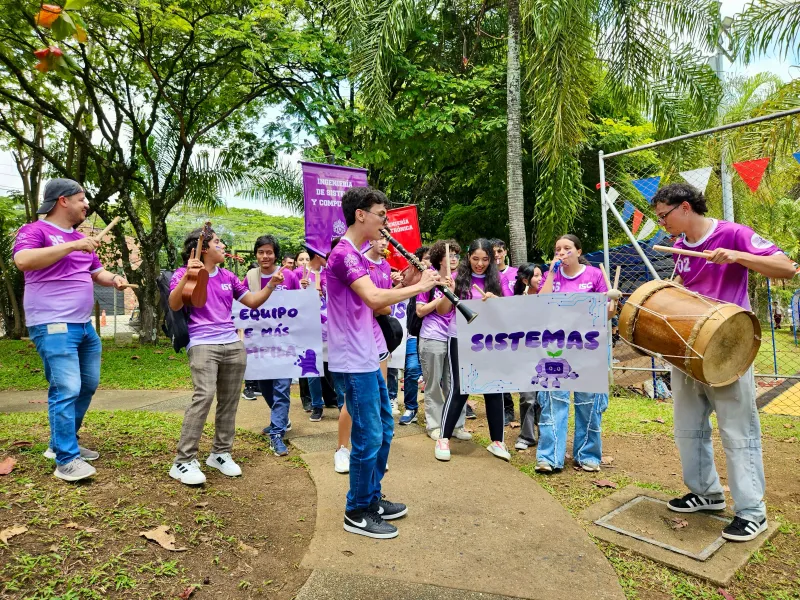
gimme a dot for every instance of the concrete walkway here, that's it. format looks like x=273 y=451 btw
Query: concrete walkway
x=476 y=528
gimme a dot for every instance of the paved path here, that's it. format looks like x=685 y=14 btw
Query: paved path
x=476 y=528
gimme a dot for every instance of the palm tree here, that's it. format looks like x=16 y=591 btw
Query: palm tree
x=516 y=198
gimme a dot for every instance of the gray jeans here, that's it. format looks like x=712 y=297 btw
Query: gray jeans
x=433 y=357
x=740 y=430
x=529 y=411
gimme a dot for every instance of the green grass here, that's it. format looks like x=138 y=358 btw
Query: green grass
x=154 y=368
x=787 y=354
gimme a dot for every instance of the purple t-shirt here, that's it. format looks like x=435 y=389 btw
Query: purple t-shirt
x=351 y=343
x=212 y=324
x=722 y=282
x=290 y=281
x=588 y=279
x=511 y=278
x=435 y=326
x=64 y=291
x=480 y=281
x=381 y=275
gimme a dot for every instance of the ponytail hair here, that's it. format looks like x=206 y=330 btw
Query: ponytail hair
x=577 y=243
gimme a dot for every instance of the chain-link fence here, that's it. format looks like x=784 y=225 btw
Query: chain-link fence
x=749 y=174
x=116 y=312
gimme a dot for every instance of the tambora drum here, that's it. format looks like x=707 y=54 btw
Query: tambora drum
x=711 y=341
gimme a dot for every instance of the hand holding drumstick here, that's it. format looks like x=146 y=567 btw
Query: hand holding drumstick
x=485 y=295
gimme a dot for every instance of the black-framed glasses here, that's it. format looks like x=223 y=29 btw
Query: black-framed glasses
x=384 y=218
x=663 y=218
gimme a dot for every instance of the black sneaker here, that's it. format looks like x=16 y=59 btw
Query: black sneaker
x=316 y=415
x=471 y=413
x=389 y=510
x=742 y=530
x=249 y=394
x=368 y=523
x=693 y=503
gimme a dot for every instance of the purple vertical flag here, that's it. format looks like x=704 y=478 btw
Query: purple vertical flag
x=323 y=188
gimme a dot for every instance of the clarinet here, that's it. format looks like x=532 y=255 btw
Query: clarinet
x=469 y=315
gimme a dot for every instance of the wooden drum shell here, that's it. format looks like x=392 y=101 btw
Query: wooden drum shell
x=725 y=335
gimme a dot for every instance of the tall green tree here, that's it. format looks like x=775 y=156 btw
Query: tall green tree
x=515 y=191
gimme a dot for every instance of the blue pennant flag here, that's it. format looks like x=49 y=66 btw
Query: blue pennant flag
x=656 y=239
x=627 y=211
x=796 y=156
x=647 y=187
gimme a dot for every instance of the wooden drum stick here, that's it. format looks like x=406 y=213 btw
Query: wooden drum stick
x=447 y=258
x=475 y=285
x=99 y=237
x=682 y=252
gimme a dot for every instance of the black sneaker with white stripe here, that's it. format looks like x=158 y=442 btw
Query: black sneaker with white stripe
x=742 y=530
x=366 y=522
x=389 y=510
x=693 y=503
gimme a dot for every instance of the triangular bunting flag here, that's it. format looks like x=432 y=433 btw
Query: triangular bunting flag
x=637 y=220
x=649 y=227
x=656 y=239
x=647 y=186
x=796 y=156
x=698 y=177
x=627 y=211
x=752 y=171
x=612 y=194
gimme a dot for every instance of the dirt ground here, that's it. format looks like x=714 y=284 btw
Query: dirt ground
x=243 y=537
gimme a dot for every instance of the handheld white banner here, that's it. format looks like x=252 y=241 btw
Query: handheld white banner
x=534 y=343
x=398 y=359
x=283 y=337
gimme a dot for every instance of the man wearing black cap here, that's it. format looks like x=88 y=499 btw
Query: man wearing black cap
x=60 y=266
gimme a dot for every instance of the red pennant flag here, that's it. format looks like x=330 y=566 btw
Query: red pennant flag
x=637 y=220
x=752 y=171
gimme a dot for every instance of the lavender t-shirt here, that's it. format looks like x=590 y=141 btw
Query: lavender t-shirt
x=480 y=281
x=212 y=324
x=381 y=275
x=64 y=291
x=588 y=279
x=351 y=343
x=723 y=282
x=434 y=326
x=511 y=278
x=290 y=281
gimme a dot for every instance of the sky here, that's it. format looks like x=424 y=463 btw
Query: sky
x=9 y=179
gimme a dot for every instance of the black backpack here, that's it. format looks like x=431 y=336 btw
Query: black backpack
x=176 y=322
x=413 y=321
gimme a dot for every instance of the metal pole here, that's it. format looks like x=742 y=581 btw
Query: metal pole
x=604 y=217
x=632 y=238
x=114 y=291
x=772 y=329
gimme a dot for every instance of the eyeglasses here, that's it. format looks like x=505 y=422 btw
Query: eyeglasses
x=384 y=218
x=455 y=256
x=663 y=218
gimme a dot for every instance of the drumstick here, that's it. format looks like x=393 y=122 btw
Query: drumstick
x=612 y=293
x=605 y=276
x=129 y=286
x=475 y=285
x=447 y=254
x=99 y=237
x=682 y=252
x=616 y=277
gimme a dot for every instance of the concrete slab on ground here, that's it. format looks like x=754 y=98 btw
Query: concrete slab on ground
x=705 y=553
x=34 y=400
x=475 y=523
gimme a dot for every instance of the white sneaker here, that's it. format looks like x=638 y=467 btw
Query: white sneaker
x=341 y=460
x=442 y=449
x=521 y=444
x=224 y=463
x=74 y=470
x=395 y=410
x=462 y=434
x=187 y=473
x=434 y=434
x=86 y=454
x=499 y=450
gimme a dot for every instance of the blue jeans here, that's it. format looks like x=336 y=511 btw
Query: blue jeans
x=72 y=368
x=391 y=385
x=315 y=389
x=413 y=371
x=339 y=387
x=586 y=443
x=739 y=431
x=370 y=436
x=276 y=393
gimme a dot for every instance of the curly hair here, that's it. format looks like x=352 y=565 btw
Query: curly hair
x=190 y=243
x=678 y=193
x=464 y=276
x=438 y=249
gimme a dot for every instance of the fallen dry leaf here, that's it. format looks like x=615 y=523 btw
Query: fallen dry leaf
x=80 y=528
x=158 y=352
x=7 y=465
x=201 y=505
x=171 y=358
x=22 y=444
x=134 y=357
x=347 y=553
x=787 y=425
x=605 y=483
x=514 y=424
x=184 y=595
x=36 y=370
x=606 y=460
x=164 y=539
x=247 y=549
x=725 y=594
x=659 y=420
x=10 y=532
x=790 y=440
x=677 y=523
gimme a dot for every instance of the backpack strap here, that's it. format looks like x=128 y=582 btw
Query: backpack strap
x=254 y=279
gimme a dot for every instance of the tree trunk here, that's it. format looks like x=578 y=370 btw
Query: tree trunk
x=147 y=294
x=18 y=330
x=516 y=201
